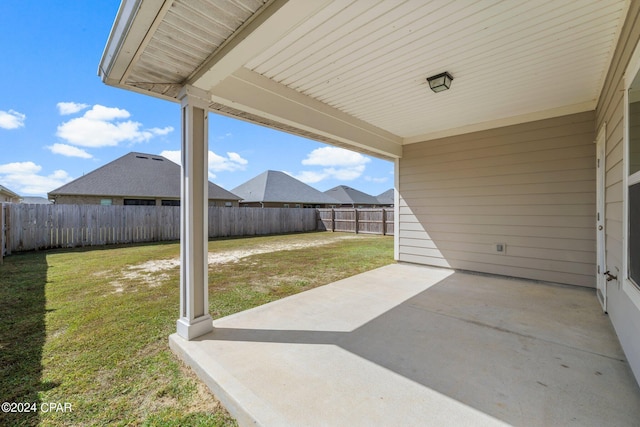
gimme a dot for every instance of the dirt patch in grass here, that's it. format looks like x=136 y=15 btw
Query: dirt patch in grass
x=90 y=327
x=152 y=272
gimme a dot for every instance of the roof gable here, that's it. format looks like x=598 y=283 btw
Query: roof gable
x=135 y=175
x=386 y=198
x=350 y=195
x=275 y=186
x=5 y=190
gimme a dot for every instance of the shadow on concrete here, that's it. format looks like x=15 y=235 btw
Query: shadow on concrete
x=524 y=353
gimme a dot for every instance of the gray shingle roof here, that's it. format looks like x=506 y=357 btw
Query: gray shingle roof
x=135 y=175
x=348 y=195
x=275 y=186
x=386 y=198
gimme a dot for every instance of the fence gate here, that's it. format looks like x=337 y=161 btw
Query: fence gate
x=357 y=220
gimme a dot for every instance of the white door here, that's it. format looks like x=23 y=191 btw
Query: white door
x=600 y=218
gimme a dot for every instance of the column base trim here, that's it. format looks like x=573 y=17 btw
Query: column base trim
x=195 y=328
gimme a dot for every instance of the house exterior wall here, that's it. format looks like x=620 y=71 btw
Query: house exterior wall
x=530 y=187
x=223 y=203
x=624 y=314
x=95 y=200
x=86 y=200
x=8 y=199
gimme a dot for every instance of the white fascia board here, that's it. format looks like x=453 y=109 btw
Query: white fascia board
x=131 y=27
x=266 y=27
x=253 y=93
x=506 y=121
x=612 y=51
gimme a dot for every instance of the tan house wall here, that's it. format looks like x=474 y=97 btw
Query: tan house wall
x=86 y=200
x=624 y=315
x=530 y=187
x=7 y=199
x=222 y=203
x=119 y=201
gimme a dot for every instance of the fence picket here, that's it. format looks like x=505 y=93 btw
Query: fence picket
x=32 y=227
x=372 y=221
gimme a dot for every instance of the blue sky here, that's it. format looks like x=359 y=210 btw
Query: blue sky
x=58 y=121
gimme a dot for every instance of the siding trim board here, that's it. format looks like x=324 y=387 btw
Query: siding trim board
x=529 y=186
x=623 y=312
x=630 y=176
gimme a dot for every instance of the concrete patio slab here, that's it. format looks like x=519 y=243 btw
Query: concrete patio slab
x=413 y=345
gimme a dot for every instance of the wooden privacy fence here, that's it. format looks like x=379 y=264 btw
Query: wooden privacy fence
x=28 y=227
x=374 y=221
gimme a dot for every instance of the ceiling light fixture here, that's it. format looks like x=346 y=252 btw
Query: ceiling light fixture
x=440 y=82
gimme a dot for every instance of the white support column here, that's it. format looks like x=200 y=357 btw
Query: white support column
x=396 y=209
x=194 y=301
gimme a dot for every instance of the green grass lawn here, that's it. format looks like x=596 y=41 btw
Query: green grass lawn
x=89 y=327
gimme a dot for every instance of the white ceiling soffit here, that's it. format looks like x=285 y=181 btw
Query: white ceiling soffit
x=509 y=59
x=155 y=47
x=353 y=72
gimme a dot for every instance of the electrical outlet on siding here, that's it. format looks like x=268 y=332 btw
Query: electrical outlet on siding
x=500 y=248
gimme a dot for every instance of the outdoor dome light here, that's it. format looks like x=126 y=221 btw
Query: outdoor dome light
x=440 y=82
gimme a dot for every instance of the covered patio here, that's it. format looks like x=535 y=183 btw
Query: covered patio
x=526 y=166
x=415 y=345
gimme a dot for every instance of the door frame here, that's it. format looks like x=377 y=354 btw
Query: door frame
x=601 y=253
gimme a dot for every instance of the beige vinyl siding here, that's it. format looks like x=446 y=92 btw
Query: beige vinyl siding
x=610 y=110
x=529 y=186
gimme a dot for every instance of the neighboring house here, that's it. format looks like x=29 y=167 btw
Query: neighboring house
x=8 y=196
x=35 y=201
x=386 y=198
x=134 y=179
x=351 y=198
x=275 y=189
x=499 y=175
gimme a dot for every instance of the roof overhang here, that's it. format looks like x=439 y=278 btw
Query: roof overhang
x=8 y=193
x=353 y=74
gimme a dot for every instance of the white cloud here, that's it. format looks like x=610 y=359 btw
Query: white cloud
x=341 y=174
x=233 y=161
x=309 y=177
x=174 y=156
x=100 y=112
x=65 y=108
x=163 y=131
x=69 y=151
x=19 y=168
x=11 y=119
x=340 y=164
x=100 y=127
x=24 y=178
x=334 y=156
x=376 y=180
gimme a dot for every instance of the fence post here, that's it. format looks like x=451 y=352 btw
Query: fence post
x=384 y=221
x=355 y=219
x=7 y=229
x=2 y=231
x=333 y=220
